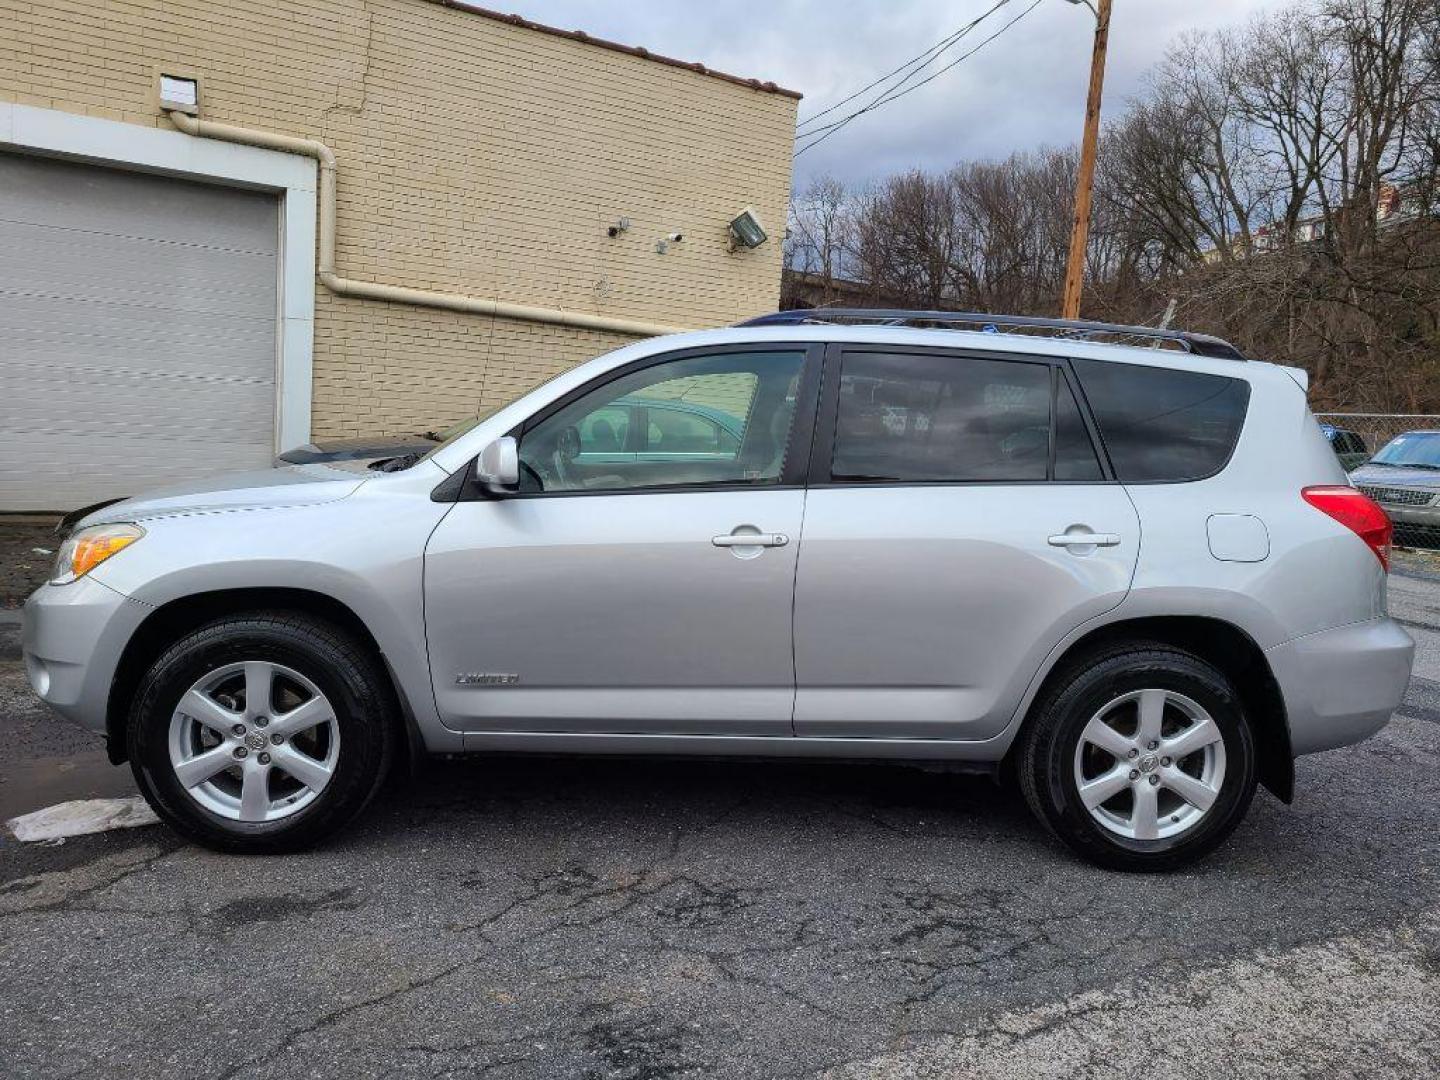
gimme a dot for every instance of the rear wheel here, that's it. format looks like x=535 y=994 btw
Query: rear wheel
x=1140 y=758
x=262 y=732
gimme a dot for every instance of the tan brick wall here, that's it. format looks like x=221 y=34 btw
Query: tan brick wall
x=733 y=394
x=474 y=157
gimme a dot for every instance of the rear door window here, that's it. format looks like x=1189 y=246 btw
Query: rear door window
x=1161 y=425
x=909 y=417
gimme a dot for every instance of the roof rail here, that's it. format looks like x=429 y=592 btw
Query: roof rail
x=1198 y=344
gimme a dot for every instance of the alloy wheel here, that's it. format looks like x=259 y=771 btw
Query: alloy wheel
x=1150 y=764
x=254 y=741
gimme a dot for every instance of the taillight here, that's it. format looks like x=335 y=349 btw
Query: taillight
x=1359 y=513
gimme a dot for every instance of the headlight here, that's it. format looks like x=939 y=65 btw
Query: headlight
x=88 y=548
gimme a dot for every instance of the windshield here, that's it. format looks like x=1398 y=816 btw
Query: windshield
x=454 y=431
x=450 y=434
x=1419 y=449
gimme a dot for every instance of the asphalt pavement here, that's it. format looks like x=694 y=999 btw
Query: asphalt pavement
x=536 y=918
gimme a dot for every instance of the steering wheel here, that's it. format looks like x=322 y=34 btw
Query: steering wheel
x=567 y=449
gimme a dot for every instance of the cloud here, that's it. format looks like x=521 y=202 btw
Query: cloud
x=1025 y=89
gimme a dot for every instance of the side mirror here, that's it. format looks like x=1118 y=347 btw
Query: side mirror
x=498 y=469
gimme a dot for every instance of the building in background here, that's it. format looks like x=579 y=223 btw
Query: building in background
x=160 y=315
x=808 y=289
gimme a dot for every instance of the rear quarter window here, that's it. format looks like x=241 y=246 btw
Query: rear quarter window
x=1164 y=426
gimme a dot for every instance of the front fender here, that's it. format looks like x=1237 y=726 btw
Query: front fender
x=366 y=552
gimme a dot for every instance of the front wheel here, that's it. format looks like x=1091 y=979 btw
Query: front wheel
x=1140 y=759
x=262 y=732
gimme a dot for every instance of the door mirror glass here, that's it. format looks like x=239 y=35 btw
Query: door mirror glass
x=498 y=468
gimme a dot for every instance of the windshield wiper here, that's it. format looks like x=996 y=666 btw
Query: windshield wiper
x=396 y=464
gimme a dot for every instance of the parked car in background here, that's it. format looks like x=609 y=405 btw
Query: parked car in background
x=1349 y=447
x=1404 y=478
x=1053 y=553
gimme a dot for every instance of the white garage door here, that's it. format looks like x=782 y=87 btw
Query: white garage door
x=137 y=331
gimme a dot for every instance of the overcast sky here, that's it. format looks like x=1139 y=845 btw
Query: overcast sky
x=1023 y=90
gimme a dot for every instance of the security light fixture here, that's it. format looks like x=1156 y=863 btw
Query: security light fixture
x=746 y=230
x=179 y=94
x=620 y=226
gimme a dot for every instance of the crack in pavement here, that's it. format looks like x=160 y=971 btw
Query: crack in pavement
x=334 y=1016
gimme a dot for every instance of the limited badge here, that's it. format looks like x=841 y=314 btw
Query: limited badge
x=486 y=678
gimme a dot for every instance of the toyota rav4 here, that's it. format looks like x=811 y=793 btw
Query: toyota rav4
x=1120 y=565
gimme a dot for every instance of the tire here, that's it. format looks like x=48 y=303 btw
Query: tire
x=1059 y=750
x=343 y=756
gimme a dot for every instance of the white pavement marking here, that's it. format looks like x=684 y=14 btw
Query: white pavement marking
x=80 y=818
x=1323 y=1009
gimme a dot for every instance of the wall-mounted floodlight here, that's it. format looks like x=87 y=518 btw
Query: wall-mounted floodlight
x=179 y=94
x=620 y=226
x=746 y=230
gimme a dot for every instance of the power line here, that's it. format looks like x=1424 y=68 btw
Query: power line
x=927 y=56
x=895 y=92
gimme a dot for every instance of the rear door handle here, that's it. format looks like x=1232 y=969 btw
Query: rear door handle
x=750 y=540
x=1084 y=539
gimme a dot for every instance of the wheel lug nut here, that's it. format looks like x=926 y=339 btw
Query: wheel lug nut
x=1165 y=761
x=264 y=759
x=1154 y=780
x=1133 y=753
x=1151 y=745
x=238 y=730
x=262 y=721
x=277 y=738
x=1134 y=774
x=240 y=751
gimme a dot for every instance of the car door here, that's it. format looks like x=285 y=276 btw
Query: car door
x=626 y=591
x=960 y=522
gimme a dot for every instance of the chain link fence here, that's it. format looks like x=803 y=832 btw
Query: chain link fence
x=1357 y=436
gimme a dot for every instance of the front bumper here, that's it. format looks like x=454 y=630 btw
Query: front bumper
x=1422 y=516
x=71 y=638
x=1342 y=685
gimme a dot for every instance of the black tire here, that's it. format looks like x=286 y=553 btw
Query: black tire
x=1046 y=754
x=347 y=673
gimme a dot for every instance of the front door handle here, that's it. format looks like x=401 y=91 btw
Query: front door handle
x=1084 y=539
x=750 y=540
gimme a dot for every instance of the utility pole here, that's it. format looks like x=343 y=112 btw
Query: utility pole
x=1080 y=234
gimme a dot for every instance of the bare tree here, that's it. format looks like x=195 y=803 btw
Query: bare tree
x=820 y=233
x=1278 y=184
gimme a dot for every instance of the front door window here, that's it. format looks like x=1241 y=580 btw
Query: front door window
x=723 y=419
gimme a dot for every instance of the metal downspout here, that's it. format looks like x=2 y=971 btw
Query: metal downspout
x=397 y=294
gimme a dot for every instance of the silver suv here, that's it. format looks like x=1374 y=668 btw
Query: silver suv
x=1120 y=565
